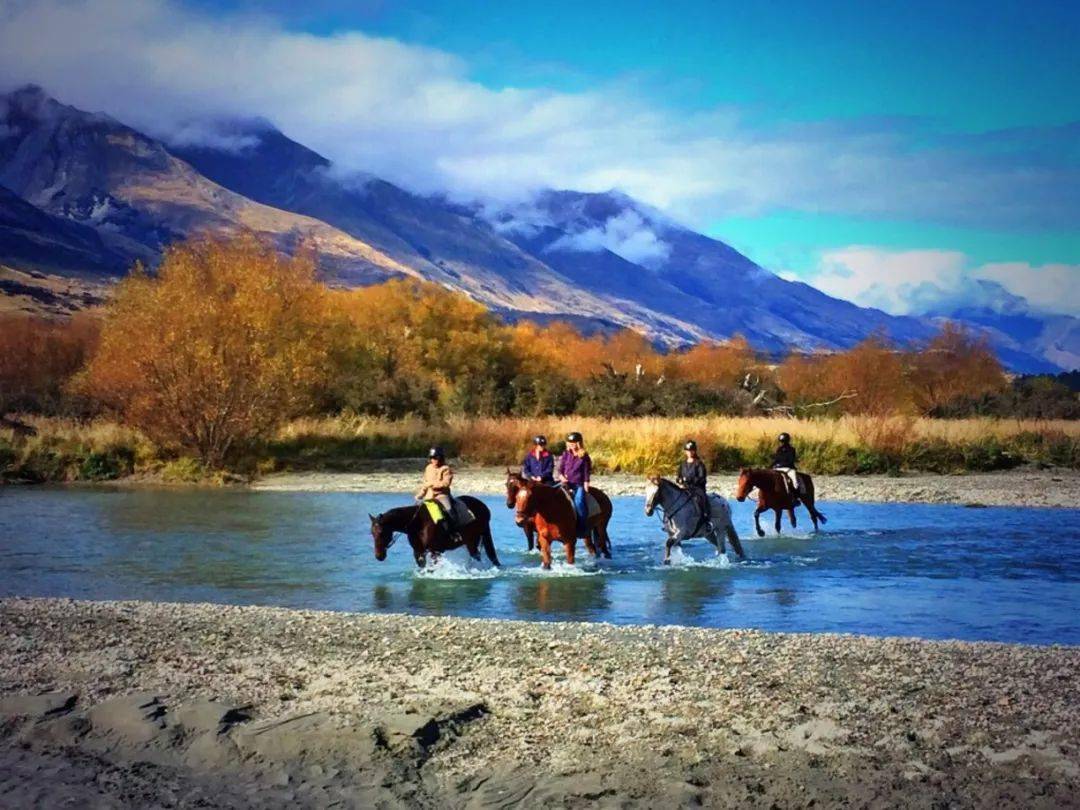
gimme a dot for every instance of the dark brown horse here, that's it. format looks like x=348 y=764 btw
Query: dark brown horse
x=426 y=538
x=773 y=494
x=554 y=519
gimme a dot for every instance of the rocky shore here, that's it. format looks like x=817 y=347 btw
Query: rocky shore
x=144 y=704
x=1026 y=487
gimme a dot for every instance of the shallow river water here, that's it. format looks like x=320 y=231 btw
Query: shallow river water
x=1000 y=574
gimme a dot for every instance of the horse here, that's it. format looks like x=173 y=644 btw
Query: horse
x=773 y=493
x=554 y=517
x=682 y=517
x=426 y=538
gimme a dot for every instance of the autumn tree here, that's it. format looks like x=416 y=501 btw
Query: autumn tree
x=224 y=342
x=714 y=365
x=38 y=358
x=954 y=365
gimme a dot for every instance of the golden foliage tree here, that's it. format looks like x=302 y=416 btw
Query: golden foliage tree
x=714 y=365
x=228 y=339
x=954 y=365
x=38 y=358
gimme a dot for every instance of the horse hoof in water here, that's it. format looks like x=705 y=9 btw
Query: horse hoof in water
x=667 y=561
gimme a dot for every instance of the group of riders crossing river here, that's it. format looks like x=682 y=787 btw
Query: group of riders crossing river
x=554 y=501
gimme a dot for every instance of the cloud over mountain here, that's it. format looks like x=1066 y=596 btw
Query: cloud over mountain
x=414 y=115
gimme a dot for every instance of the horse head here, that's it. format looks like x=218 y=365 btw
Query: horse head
x=744 y=485
x=652 y=489
x=382 y=536
x=521 y=501
x=513 y=484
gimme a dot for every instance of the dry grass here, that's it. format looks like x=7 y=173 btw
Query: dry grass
x=68 y=450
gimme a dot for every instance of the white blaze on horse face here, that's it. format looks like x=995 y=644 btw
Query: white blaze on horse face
x=650 y=495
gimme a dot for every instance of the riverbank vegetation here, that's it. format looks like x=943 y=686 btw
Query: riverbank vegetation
x=232 y=357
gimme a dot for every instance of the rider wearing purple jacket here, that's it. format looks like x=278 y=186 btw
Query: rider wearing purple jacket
x=575 y=470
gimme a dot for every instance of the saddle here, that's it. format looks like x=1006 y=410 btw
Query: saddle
x=460 y=516
x=590 y=502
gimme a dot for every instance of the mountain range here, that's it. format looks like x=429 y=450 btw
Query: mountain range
x=84 y=195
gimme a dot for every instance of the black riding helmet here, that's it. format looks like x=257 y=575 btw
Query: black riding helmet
x=690 y=445
x=784 y=438
x=573 y=437
x=437 y=452
x=540 y=440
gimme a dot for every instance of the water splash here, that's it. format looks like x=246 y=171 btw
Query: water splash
x=457 y=566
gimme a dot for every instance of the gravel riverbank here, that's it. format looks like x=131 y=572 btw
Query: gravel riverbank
x=1027 y=487
x=209 y=705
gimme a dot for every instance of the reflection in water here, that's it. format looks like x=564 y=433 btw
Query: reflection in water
x=569 y=597
x=445 y=596
x=686 y=594
x=382 y=598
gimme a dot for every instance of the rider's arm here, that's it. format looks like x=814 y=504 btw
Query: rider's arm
x=588 y=471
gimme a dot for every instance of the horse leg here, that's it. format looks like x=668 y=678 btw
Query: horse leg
x=472 y=543
x=733 y=538
x=791 y=514
x=570 y=550
x=590 y=545
x=530 y=534
x=545 y=550
x=667 y=549
x=606 y=538
x=716 y=539
x=489 y=546
x=757 y=521
x=777 y=521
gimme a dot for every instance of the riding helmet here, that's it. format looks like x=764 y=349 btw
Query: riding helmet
x=783 y=438
x=540 y=440
x=437 y=452
x=573 y=437
x=690 y=445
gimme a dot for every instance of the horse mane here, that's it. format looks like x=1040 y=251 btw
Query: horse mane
x=399 y=516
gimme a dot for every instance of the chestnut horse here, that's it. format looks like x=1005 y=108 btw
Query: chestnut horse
x=554 y=517
x=773 y=494
x=426 y=538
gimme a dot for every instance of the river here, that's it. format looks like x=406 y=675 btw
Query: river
x=996 y=574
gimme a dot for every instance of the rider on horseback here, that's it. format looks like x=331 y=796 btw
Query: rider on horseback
x=693 y=477
x=539 y=465
x=575 y=469
x=784 y=460
x=435 y=492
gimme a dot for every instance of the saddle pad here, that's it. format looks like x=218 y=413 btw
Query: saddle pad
x=590 y=502
x=463 y=516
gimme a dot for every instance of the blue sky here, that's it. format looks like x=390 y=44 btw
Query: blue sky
x=947 y=133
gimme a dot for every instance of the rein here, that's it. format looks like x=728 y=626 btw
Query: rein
x=686 y=500
x=395 y=532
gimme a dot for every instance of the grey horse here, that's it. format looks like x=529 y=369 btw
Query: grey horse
x=682 y=517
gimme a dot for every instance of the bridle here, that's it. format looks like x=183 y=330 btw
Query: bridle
x=670 y=515
x=393 y=534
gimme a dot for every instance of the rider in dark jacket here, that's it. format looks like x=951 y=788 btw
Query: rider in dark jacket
x=539 y=464
x=693 y=477
x=785 y=460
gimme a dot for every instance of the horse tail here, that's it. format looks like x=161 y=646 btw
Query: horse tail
x=810 y=500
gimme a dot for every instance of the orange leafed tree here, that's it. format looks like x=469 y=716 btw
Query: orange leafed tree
x=38 y=358
x=954 y=365
x=714 y=365
x=226 y=341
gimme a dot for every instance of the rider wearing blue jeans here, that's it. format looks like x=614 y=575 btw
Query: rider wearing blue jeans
x=575 y=469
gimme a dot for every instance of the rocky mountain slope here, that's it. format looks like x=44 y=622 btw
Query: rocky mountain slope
x=84 y=193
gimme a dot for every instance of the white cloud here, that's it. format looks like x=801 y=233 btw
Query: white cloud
x=626 y=235
x=413 y=115
x=916 y=282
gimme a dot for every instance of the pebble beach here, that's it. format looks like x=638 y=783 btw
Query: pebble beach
x=116 y=704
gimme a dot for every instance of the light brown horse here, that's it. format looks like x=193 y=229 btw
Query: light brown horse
x=773 y=494
x=553 y=515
